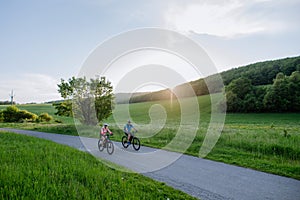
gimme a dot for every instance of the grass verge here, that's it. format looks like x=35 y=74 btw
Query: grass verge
x=33 y=168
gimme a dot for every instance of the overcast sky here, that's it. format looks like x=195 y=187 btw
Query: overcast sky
x=43 y=41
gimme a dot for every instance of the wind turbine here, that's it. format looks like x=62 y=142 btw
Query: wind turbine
x=12 y=95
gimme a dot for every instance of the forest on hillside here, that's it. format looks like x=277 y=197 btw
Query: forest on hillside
x=269 y=86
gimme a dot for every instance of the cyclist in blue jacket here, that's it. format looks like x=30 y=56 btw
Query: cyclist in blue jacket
x=128 y=130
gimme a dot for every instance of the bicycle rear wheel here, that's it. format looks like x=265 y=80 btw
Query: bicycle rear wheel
x=136 y=143
x=124 y=141
x=110 y=147
x=100 y=145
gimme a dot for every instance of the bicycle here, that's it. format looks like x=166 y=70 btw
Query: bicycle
x=106 y=143
x=133 y=140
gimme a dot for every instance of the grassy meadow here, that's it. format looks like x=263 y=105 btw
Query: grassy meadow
x=33 y=168
x=267 y=142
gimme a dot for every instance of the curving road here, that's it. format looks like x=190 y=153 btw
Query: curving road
x=198 y=177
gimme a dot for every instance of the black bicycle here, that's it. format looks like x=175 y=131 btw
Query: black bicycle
x=106 y=143
x=133 y=140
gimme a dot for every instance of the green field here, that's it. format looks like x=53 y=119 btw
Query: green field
x=33 y=168
x=266 y=142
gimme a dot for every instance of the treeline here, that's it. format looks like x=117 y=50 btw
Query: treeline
x=281 y=96
x=7 y=103
x=270 y=86
x=257 y=94
x=263 y=73
x=211 y=84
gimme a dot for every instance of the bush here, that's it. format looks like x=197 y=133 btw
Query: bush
x=1 y=116
x=27 y=116
x=10 y=114
x=13 y=114
x=58 y=121
x=45 y=117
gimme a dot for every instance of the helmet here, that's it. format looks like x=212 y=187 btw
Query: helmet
x=129 y=121
x=105 y=124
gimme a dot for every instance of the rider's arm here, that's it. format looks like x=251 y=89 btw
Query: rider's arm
x=125 y=129
x=134 y=128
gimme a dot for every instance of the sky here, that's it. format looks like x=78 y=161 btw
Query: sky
x=42 y=41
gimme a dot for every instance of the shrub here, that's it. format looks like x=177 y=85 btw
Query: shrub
x=58 y=121
x=27 y=116
x=10 y=114
x=13 y=114
x=45 y=117
x=1 y=116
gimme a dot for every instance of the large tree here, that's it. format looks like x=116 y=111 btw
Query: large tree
x=277 y=97
x=294 y=91
x=92 y=101
x=240 y=96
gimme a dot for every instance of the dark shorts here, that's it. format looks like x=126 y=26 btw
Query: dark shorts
x=127 y=134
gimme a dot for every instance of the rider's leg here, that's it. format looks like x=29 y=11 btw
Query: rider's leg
x=128 y=138
x=102 y=138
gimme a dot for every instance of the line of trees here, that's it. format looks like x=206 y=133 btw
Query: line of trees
x=7 y=103
x=263 y=73
x=281 y=96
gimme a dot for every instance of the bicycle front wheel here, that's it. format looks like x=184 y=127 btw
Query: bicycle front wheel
x=100 y=145
x=110 y=147
x=124 y=142
x=136 y=143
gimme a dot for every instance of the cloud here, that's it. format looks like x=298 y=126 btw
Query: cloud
x=223 y=18
x=30 y=88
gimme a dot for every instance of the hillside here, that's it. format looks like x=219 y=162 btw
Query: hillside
x=121 y=98
x=261 y=73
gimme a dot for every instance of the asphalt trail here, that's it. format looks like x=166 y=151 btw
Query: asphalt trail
x=198 y=177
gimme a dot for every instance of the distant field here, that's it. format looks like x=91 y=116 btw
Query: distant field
x=266 y=142
x=33 y=168
x=36 y=108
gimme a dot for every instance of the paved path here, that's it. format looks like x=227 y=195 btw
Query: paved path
x=201 y=178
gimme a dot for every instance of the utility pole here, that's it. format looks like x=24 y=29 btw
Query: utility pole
x=12 y=95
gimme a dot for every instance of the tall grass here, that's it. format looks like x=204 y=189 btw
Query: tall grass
x=33 y=168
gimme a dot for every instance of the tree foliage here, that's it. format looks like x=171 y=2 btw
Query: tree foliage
x=1 y=116
x=63 y=108
x=92 y=101
x=263 y=73
x=276 y=98
x=282 y=96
